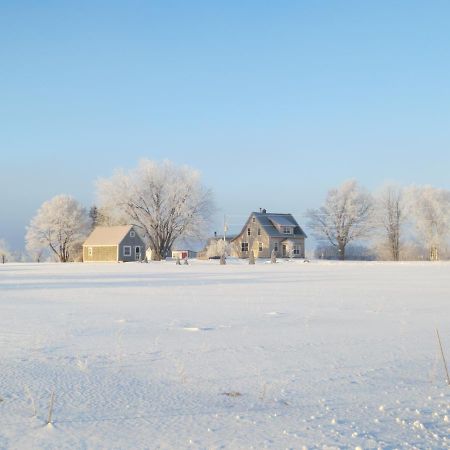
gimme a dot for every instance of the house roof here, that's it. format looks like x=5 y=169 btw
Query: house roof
x=283 y=220
x=108 y=235
x=269 y=221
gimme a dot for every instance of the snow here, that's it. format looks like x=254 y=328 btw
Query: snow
x=292 y=355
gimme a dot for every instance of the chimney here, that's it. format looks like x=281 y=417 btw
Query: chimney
x=215 y=234
x=260 y=210
x=264 y=211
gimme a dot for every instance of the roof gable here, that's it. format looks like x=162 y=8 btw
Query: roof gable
x=108 y=235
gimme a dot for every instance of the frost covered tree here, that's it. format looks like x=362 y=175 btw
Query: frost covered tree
x=429 y=207
x=60 y=225
x=5 y=253
x=218 y=247
x=273 y=256
x=164 y=201
x=390 y=216
x=36 y=252
x=344 y=217
x=290 y=249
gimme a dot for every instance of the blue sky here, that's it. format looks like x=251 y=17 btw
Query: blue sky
x=274 y=102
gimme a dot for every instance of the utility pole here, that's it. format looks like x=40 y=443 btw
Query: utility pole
x=225 y=228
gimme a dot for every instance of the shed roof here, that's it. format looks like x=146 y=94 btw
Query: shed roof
x=108 y=235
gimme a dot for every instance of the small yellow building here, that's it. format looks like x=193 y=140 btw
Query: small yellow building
x=114 y=244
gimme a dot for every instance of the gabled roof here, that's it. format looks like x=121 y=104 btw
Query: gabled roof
x=268 y=222
x=108 y=235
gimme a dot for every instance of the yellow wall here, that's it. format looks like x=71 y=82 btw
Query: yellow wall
x=101 y=253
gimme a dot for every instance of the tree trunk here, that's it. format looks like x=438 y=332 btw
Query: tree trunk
x=341 y=251
x=397 y=252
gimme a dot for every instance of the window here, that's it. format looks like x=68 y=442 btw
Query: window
x=127 y=250
x=259 y=231
x=296 y=249
x=244 y=247
x=275 y=246
x=287 y=230
x=249 y=231
x=254 y=219
x=90 y=251
x=260 y=247
x=132 y=234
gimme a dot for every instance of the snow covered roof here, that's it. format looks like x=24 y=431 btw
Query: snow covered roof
x=269 y=222
x=283 y=220
x=108 y=235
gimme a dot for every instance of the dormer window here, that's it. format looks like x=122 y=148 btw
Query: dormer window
x=287 y=230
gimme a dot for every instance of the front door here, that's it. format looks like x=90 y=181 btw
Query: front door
x=284 y=251
x=137 y=253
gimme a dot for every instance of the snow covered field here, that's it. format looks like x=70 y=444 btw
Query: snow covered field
x=321 y=355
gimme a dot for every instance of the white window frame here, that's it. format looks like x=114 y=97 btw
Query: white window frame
x=287 y=230
x=127 y=250
x=132 y=233
x=296 y=250
x=244 y=245
x=260 y=247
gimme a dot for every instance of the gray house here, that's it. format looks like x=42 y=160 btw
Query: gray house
x=264 y=232
x=114 y=244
